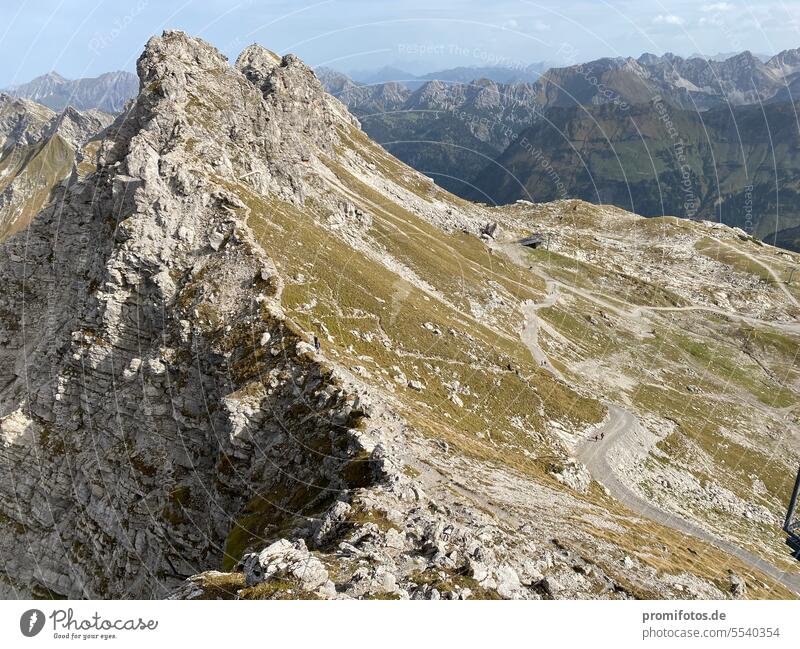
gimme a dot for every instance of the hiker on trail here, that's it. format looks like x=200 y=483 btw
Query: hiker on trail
x=317 y=344
x=602 y=435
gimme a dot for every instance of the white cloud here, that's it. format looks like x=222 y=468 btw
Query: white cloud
x=717 y=7
x=711 y=21
x=538 y=25
x=667 y=19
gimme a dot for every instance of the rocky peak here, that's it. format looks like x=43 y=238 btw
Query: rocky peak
x=334 y=82
x=257 y=63
x=744 y=59
x=483 y=82
x=649 y=59
x=44 y=84
x=436 y=95
x=53 y=76
x=392 y=90
x=295 y=96
x=172 y=62
x=21 y=121
x=176 y=268
x=786 y=62
x=78 y=127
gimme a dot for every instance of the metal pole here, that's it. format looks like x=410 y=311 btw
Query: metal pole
x=792 y=504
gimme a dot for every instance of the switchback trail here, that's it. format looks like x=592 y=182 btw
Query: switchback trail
x=530 y=330
x=618 y=433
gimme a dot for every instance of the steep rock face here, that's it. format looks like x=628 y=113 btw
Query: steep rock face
x=142 y=403
x=21 y=121
x=162 y=415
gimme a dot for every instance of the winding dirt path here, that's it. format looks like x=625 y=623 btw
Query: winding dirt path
x=530 y=330
x=634 y=313
x=778 y=281
x=618 y=434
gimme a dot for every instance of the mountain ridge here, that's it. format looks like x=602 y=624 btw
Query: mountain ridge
x=462 y=135
x=107 y=92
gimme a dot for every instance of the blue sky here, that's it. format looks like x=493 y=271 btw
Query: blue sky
x=86 y=37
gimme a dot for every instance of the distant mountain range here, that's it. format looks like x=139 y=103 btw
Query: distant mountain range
x=449 y=131
x=695 y=83
x=462 y=74
x=722 y=56
x=107 y=93
x=608 y=130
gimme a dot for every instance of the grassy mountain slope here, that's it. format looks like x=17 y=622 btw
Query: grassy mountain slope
x=695 y=330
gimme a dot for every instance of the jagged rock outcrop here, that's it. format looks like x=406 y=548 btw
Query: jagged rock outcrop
x=152 y=414
x=162 y=415
x=21 y=121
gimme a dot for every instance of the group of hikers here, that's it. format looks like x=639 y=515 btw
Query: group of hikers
x=599 y=436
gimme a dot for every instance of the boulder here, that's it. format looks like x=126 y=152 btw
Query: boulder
x=285 y=560
x=738 y=587
x=329 y=523
x=216 y=240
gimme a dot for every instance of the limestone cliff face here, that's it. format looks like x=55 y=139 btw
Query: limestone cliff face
x=153 y=387
x=161 y=414
x=21 y=121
